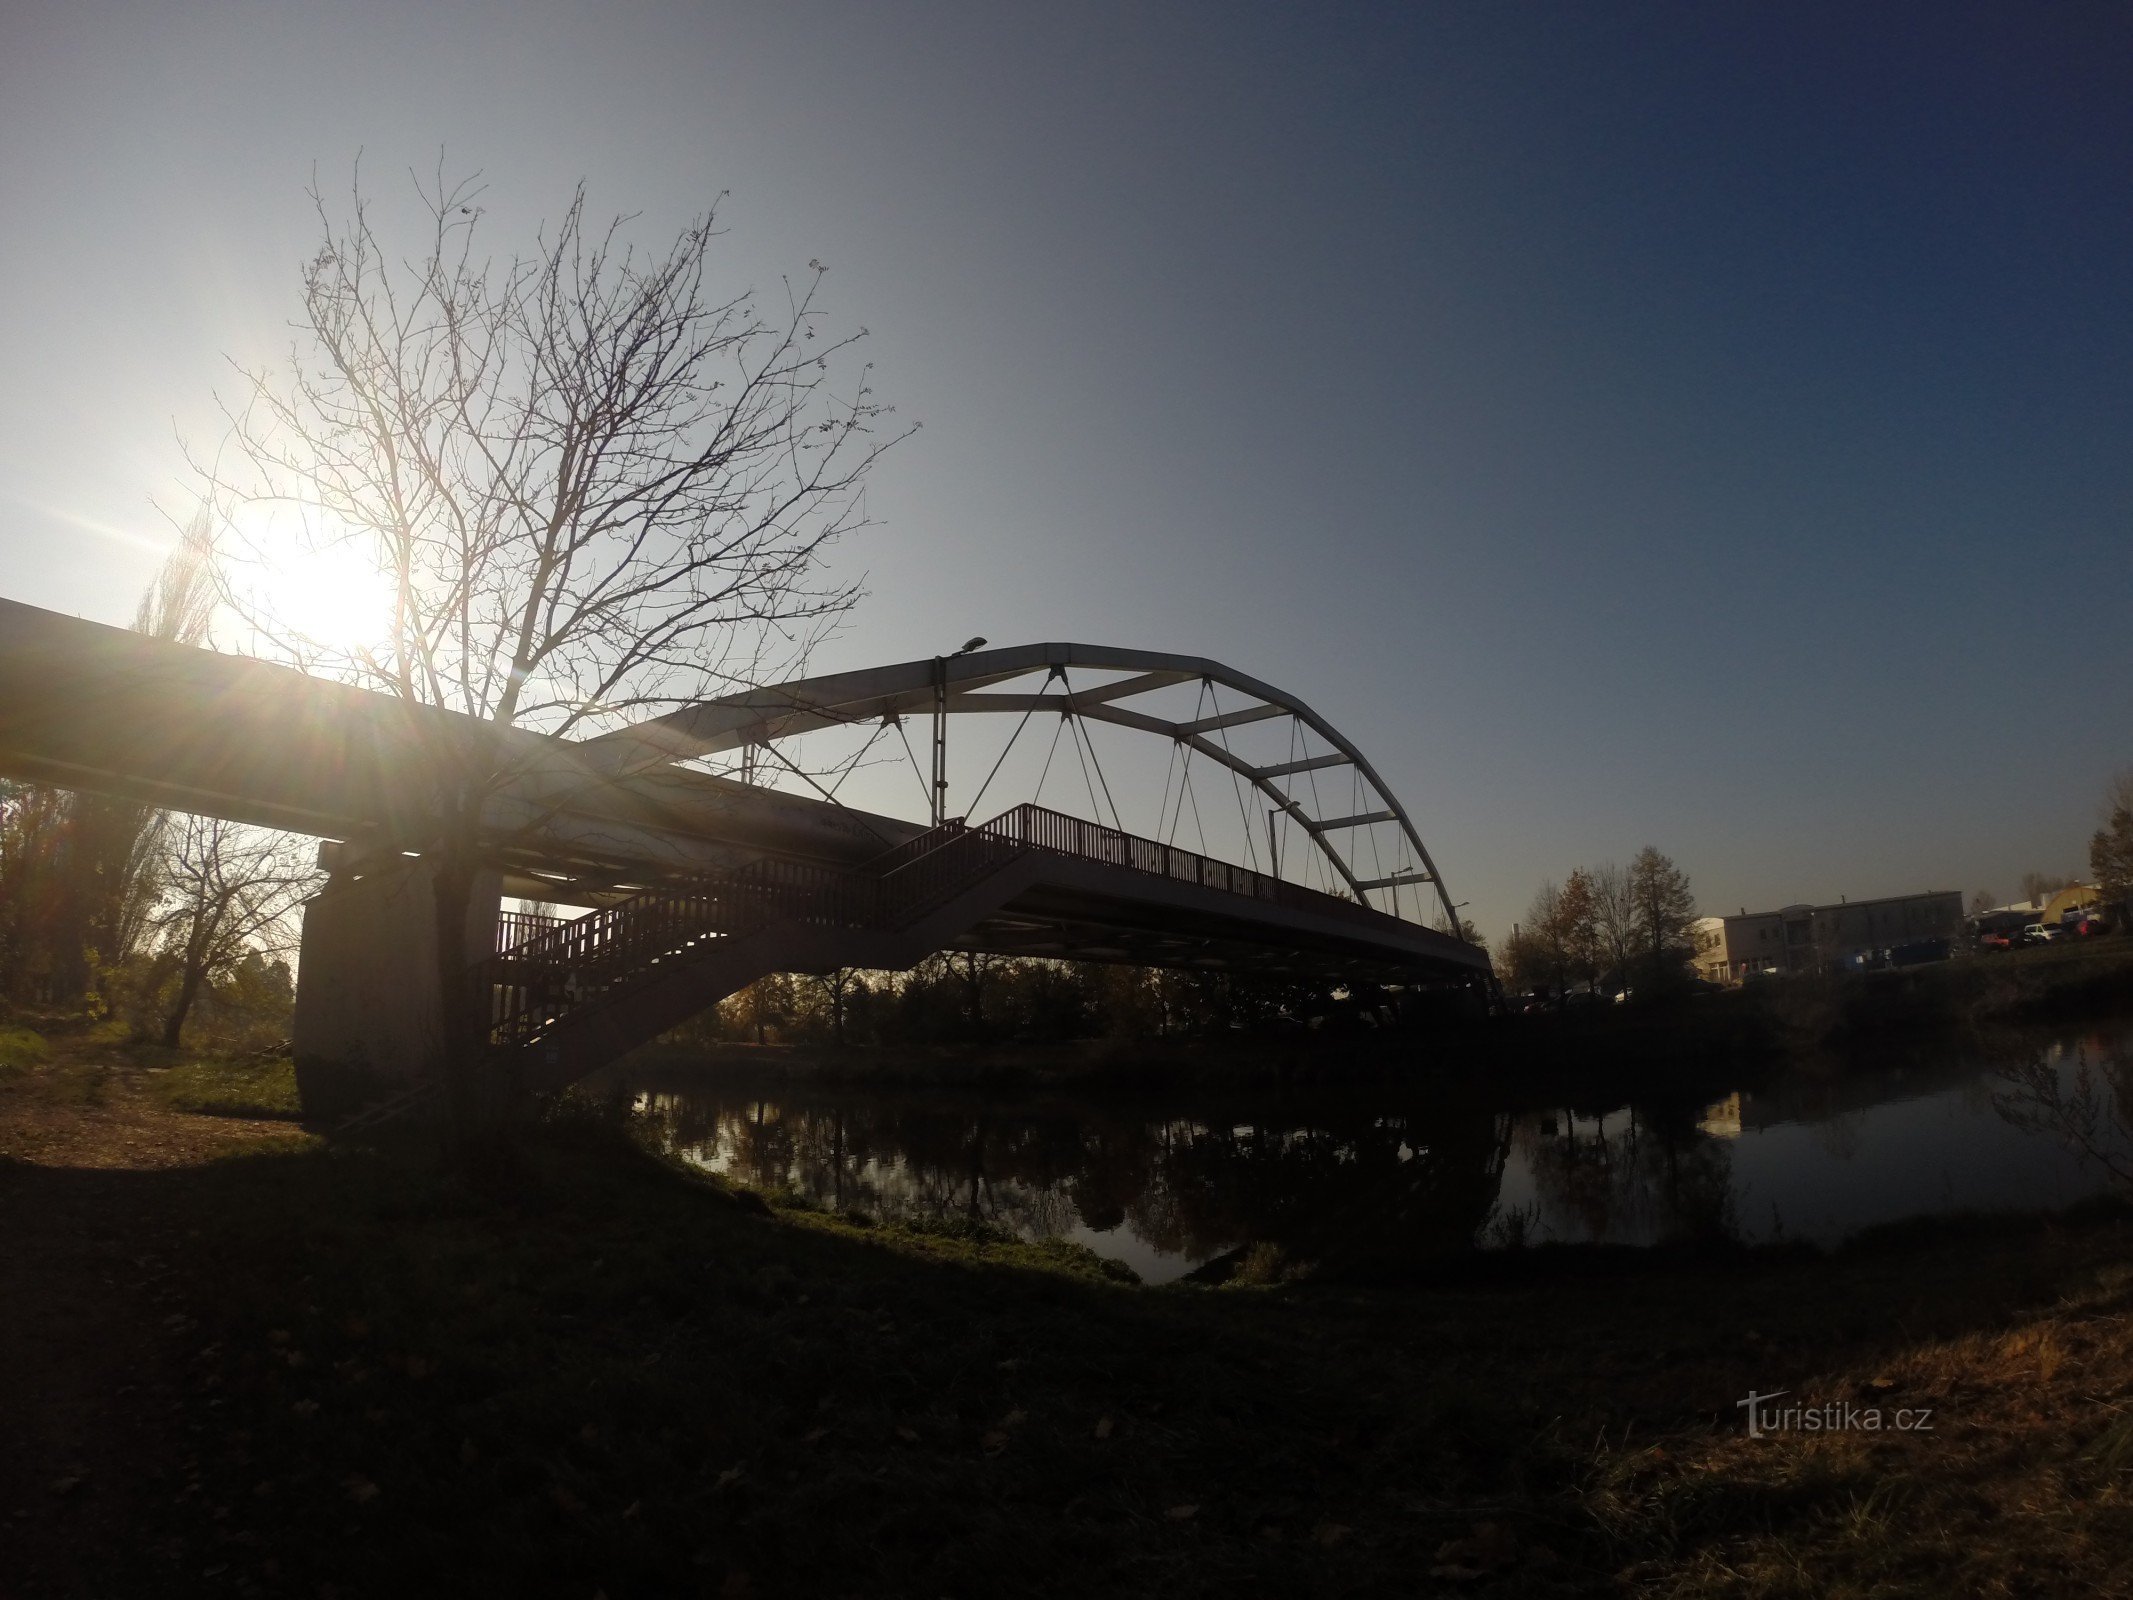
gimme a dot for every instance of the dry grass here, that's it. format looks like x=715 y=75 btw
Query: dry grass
x=587 y=1372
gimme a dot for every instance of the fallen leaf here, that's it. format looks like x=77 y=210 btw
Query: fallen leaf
x=814 y=1436
x=994 y=1442
x=564 y=1501
x=730 y=1477
x=1010 y=1364
x=360 y=1489
x=468 y=1455
x=908 y=1435
x=305 y=1408
x=1102 y=1429
x=65 y=1486
x=1182 y=1513
x=736 y=1587
x=1330 y=1534
x=1014 y=1419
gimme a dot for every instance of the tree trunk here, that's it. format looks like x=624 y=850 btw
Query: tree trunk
x=181 y=1007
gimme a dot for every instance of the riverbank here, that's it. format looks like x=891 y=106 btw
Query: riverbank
x=244 y=1361
x=1682 y=1042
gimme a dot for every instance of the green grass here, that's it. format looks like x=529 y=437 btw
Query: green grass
x=20 y=1050
x=248 y=1087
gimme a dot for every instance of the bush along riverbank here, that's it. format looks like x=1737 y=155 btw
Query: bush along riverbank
x=1677 y=1039
x=245 y=1361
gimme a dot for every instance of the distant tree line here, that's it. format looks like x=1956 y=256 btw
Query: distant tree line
x=962 y=997
x=114 y=908
x=1603 y=930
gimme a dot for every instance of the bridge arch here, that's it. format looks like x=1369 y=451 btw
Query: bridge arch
x=968 y=684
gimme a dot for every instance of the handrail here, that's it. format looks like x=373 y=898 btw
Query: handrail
x=516 y=927
x=540 y=979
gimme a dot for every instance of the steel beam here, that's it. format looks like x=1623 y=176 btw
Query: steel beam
x=1309 y=764
x=1362 y=819
x=1233 y=719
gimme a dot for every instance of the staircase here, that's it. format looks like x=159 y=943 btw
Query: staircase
x=615 y=977
x=577 y=994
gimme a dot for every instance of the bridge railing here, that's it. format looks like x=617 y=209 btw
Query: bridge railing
x=562 y=965
x=516 y=927
x=1034 y=827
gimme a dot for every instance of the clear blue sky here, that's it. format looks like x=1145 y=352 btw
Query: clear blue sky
x=1705 y=426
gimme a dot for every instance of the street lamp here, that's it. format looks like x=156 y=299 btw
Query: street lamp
x=940 y=727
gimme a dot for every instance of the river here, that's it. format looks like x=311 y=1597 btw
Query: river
x=1168 y=1184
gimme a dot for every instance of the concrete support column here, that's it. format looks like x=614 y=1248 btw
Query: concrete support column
x=369 y=1021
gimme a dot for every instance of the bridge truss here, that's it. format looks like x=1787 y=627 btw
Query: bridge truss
x=1271 y=756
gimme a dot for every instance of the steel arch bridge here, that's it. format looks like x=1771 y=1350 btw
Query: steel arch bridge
x=967 y=684
x=693 y=884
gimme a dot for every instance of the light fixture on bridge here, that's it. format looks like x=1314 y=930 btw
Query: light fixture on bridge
x=974 y=644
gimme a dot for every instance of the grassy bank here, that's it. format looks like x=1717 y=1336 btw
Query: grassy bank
x=276 y=1366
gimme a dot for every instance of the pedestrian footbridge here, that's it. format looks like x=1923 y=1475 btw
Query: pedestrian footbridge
x=651 y=884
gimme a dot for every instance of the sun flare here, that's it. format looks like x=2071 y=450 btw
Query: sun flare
x=327 y=594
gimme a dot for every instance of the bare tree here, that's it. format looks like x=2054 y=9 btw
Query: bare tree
x=2111 y=847
x=121 y=843
x=1466 y=928
x=1545 y=943
x=2090 y=1109
x=1577 y=916
x=2038 y=887
x=233 y=891
x=834 y=990
x=975 y=970
x=1614 y=915
x=1664 y=905
x=593 y=485
x=101 y=869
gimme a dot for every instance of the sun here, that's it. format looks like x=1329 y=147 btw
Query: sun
x=332 y=597
x=322 y=592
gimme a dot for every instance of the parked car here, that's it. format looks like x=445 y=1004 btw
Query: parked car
x=2039 y=933
x=1993 y=940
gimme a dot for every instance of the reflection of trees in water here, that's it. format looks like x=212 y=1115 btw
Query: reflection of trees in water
x=2078 y=1091
x=1414 y=1183
x=1644 y=1173
x=1840 y=1134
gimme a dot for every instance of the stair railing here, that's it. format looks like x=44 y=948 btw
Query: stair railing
x=560 y=969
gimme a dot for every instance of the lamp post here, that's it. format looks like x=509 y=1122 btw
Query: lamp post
x=940 y=729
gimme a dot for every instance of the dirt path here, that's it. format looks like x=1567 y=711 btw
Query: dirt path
x=94 y=1341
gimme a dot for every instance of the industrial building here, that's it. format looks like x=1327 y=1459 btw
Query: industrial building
x=1806 y=938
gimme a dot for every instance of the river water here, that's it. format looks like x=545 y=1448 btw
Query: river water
x=1167 y=1185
